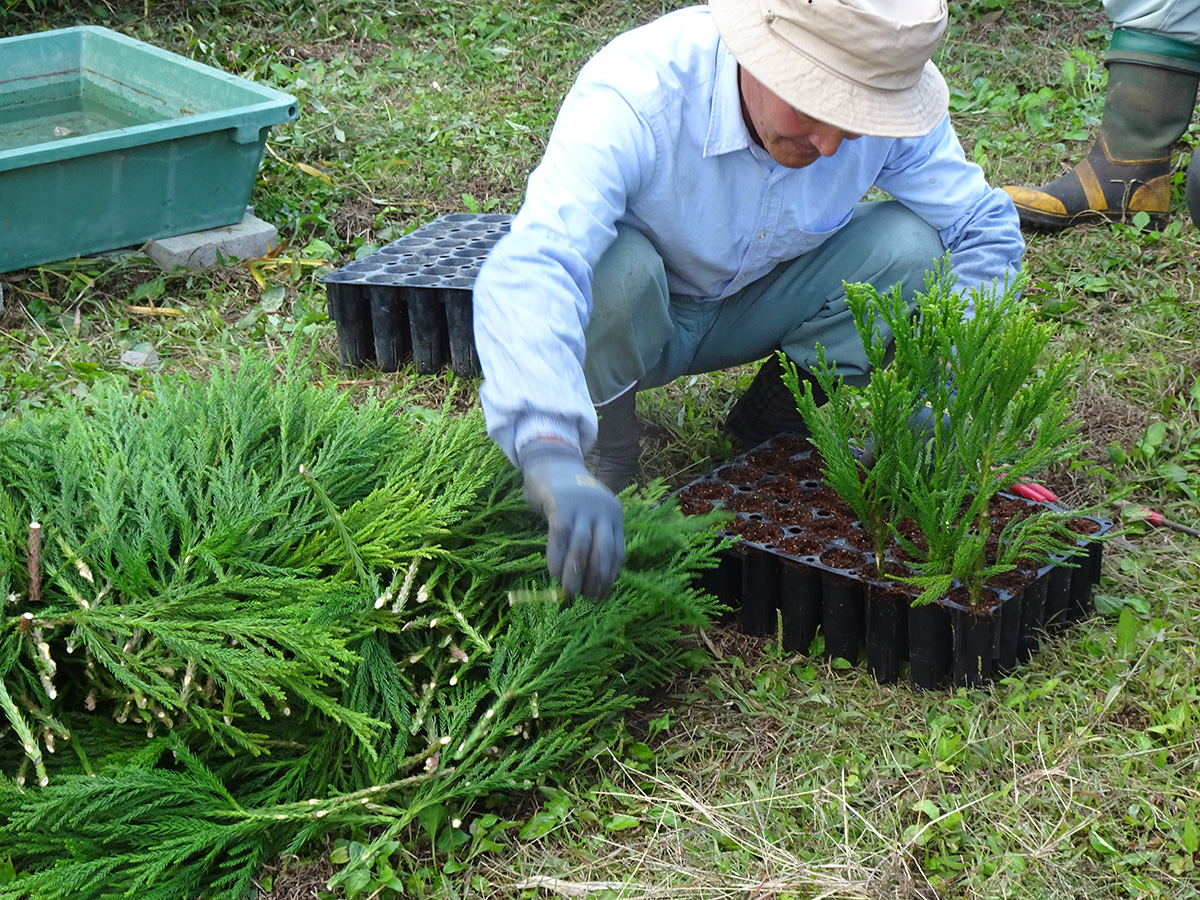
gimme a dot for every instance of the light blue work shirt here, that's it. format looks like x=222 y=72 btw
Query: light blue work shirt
x=652 y=135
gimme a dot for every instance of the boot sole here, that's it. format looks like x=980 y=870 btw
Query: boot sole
x=1039 y=220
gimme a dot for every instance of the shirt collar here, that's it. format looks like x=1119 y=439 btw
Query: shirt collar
x=727 y=131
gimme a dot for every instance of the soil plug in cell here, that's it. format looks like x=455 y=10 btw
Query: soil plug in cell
x=420 y=296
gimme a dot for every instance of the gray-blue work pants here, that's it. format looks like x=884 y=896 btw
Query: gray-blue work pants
x=640 y=335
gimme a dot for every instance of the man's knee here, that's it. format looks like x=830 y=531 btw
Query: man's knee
x=906 y=241
x=630 y=321
x=627 y=271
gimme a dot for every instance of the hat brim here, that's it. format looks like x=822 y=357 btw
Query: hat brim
x=829 y=96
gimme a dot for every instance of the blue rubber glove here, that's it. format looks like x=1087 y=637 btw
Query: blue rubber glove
x=586 y=542
x=922 y=424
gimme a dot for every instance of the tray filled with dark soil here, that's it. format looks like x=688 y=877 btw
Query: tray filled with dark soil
x=804 y=564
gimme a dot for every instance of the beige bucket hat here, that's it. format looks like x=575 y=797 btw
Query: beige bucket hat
x=860 y=65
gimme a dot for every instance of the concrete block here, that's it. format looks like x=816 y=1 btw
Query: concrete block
x=249 y=238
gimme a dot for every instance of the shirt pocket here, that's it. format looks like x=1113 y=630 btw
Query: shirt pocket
x=804 y=234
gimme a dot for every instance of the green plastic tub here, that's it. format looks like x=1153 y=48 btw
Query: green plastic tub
x=108 y=142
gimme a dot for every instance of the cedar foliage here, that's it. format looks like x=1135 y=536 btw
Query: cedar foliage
x=992 y=413
x=267 y=614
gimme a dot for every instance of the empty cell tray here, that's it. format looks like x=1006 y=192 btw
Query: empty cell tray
x=411 y=299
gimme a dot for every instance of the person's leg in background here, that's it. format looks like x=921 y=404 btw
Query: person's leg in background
x=813 y=287
x=1153 y=70
x=628 y=328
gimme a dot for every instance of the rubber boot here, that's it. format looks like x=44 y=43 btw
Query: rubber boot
x=1128 y=169
x=768 y=408
x=614 y=458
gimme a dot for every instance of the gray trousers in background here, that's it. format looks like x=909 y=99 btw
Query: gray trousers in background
x=1179 y=19
x=640 y=335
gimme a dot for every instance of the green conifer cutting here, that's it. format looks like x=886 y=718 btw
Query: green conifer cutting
x=267 y=613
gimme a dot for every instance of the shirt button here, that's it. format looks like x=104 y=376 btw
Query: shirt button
x=761 y=235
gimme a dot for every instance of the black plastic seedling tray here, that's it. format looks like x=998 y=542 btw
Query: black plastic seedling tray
x=411 y=299
x=783 y=570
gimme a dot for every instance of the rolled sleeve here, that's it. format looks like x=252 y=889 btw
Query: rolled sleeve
x=978 y=223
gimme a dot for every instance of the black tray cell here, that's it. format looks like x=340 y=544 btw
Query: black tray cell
x=886 y=634
x=930 y=646
x=973 y=638
x=1033 y=616
x=351 y=313
x=725 y=582
x=1085 y=578
x=760 y=593
x=842 y=617
x=427 y=325
x=1081 y=603
x=389 y=326
x=799 y=604
x=460 y=329
x=1008 y=633
x=1058 y=597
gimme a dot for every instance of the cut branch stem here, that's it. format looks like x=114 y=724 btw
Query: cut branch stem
x=35 y=562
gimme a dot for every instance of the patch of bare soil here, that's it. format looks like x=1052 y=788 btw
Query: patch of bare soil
x=1105 y=419
x=327 y=51
x=354 y=218
x=1068 y=25
x=296 y=881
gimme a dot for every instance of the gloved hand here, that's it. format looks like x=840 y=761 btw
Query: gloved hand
x=586 y=542
x=922 y=424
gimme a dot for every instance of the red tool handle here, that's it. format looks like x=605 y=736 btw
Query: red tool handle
x=1157 y=519
x=1031 y=490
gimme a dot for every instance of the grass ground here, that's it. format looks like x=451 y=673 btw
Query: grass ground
x=762 y=774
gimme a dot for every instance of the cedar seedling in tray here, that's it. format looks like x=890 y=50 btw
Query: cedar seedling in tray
x=957 y=409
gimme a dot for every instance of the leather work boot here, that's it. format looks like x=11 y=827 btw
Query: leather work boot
x=767 y=408
x=614 y=458
x=1147 y=107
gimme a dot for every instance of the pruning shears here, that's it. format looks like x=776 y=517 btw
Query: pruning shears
x=1156 y=518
